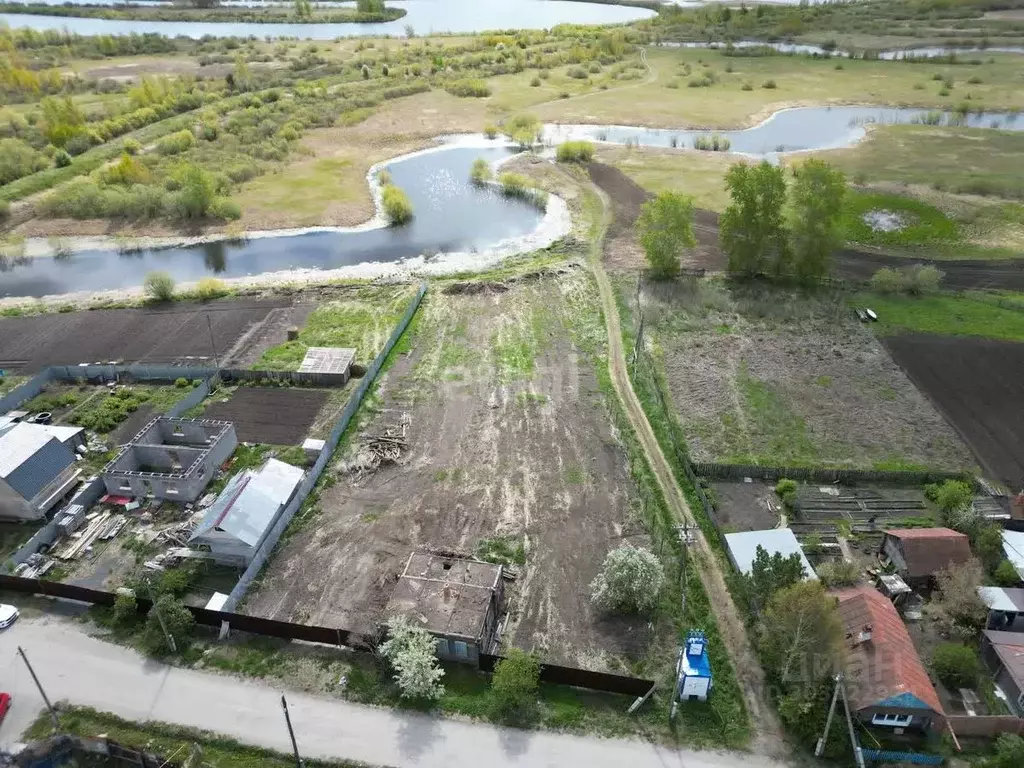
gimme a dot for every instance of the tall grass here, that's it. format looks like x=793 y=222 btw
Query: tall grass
x=397 y=208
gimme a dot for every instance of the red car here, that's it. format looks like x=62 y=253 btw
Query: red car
x=5 y=704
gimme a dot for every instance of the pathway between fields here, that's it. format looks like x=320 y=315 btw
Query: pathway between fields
x=88 y=671
x=768 y=738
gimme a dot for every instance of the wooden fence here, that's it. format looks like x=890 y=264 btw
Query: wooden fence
x=984 y=725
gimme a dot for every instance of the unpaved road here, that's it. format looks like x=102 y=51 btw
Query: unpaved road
x=87 y=671
x=768 y=738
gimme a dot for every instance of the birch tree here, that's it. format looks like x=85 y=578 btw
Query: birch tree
x=801 y=634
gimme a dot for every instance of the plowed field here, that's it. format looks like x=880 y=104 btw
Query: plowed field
x=275 y=416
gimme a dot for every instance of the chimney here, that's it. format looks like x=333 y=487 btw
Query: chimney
x=865 y=634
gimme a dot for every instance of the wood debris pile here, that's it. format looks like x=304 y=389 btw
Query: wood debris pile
x=385 y=447
x=100 y=526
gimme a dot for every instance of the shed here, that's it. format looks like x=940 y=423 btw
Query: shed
x=919 y=553
x=238 y=520
x=1003 y=653
x=1005 y=608
x=886 y=682
x=331 y=361
x=743 y=548
x=1013 y=548
x=457 y=600
x=36 y=471
x=693 y=669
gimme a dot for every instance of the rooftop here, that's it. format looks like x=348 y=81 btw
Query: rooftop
x=886 y=669
x=327 y=360
x=1002 y=599
x=250 y=501
x=929 y=550
x=743 y=547
x=1009 y=646
x=20 y=443
x=447 y=596
x=1013 y=548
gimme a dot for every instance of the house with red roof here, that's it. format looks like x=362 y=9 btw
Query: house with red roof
x=886 y=683
x=919 y=553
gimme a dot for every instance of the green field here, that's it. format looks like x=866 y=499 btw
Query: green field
x=993 y=316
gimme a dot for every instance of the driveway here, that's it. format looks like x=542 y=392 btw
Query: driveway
x=83 y=670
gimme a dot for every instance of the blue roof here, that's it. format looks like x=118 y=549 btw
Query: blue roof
x=41 y=468
x=904 y=701
x=695 y=656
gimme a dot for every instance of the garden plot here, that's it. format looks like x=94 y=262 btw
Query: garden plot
x=504 y=450
x=278 y=416
x=763 y=376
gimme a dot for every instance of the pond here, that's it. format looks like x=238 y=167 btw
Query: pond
x=452 y=216
x=424 y=16
x=789 y=130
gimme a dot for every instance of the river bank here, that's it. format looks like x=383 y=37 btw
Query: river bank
x=220 y=14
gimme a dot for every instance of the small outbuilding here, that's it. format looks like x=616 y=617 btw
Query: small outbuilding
x=36 y=471
x=743 y=548
x=919 y=553
x=693 y=669
x=1003 y=653
x=1005 y=608
x=1013 y=548
x=334 y=361
x=235 y=525
x=457 y=600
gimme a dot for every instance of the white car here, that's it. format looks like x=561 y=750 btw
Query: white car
x=8 y=615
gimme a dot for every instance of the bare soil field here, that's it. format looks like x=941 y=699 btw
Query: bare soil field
x=175 y=334
x=744 y=506
x=976 y=383
x=761 y=375
x=272 y=416
x=507 y=436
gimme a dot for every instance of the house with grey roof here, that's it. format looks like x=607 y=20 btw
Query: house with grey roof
x=235 y=525
x=37 y=470
x=742 y=548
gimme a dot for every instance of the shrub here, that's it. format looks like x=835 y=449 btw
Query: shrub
x=490 y=131
x=181 y=382
x=469 y=88
x=1006 y=575
x=786 y=489
x=746 y=87
x=480 y=173
x=132 y=147
x=514 y=685
x=125 y=609
x=397 y=208
x=839 y=573
x=226 y=209
x=575 y=152
x=713 y=143
x=159 y=286
x=915 y=280
x=197 y=192
x=630 y=581
x=210 y=288
x=17 y=159
x=769 y=84
x=524 y=130
x=887 y=280
x=956 y=665
x=577 y=73
x=177 y=620
x=410 y=652
x=176 y=143
x=535 y=82
x=61 y=159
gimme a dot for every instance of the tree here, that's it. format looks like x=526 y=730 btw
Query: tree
x=197 y=194
x=817 y=200
x=303 y=9
x=951 y=495
x=957 y=604
x=751 y=228
x=241 y=78
x=17 y=159
x=801 y=635
x=629 y=582
x=956 y=665
x=176 y=619
x=770 y=573
x=1006 y=575
x=988 y=544
x=159 y=286
x=515 y=683
x=62 y=120
x=410 y=652
x=666 y=227
x=1009 y=752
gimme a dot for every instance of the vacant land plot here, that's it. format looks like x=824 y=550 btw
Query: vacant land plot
x=273 y=416
x=507 y=438
x=977 y=384
x=746 y=506
x=772 y=377
x=176 y=334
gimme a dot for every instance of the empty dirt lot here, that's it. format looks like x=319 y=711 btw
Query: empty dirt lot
x=507 y=437
x=977 y=383
x=272 y=416
x=768 y=376
x=178 y=333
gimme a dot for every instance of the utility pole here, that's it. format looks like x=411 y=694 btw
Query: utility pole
x=819 y=749
x=46 y=700
x=213 y=344
x=858 y=755
x=160 y=618
x=295 y=744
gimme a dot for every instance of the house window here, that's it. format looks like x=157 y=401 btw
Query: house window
x=893 y=721
x=442 y=647
x=461 y=649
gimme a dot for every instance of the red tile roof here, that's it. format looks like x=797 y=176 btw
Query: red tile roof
x=929 y=550
x=887 y=665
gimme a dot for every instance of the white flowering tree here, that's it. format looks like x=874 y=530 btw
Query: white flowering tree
x=630 y=581
x=410 y=651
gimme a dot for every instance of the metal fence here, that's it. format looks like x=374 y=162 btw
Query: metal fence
x=822 y=475
x=894 y=756
x=194 y=398
x=26 y=391
x=135 y=371
x=299 y=378
x=580 y=678
x=284 y=517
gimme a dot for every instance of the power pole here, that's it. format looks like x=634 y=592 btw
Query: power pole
x=160 y=618
x=858 y=755
x=46 y=700
x=288 y=720
x=819 y=749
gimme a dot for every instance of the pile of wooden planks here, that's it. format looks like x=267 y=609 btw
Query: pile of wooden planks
x=101 y=526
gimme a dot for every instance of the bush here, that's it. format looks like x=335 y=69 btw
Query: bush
x=887 y=280
x=786 y=489
x=630 y=581
x=956 y=665
x=535 y=82
x=480 y=173
x=181 y=382
x=125 y=609
x=746 y=87
x=176 y=619
x=397 y=208
x=769 y=85
x=839 y=573
x=226 y=209
x=915 y=280
x=176 y=143
x=1006 y=575
x=469 y=88
x=210 y=288
x=132 y=147
x=61 y=159
x=159 y=286
x=490 y=131
x=410 y=652
x=575 y=152
x=514 y=685
x=524 y=130
x=577 y=73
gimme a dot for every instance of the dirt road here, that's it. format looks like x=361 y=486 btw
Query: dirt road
x=768 y=737
x=86 y=671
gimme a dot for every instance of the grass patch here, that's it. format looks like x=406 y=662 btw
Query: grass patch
x=922 y=224
x=506 y=550
x=972 y=314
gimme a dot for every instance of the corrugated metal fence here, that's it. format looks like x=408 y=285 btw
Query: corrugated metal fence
x=286 y=515
x=46 y=535
x=580 y=678
x=893 y=756
x=26 y=391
